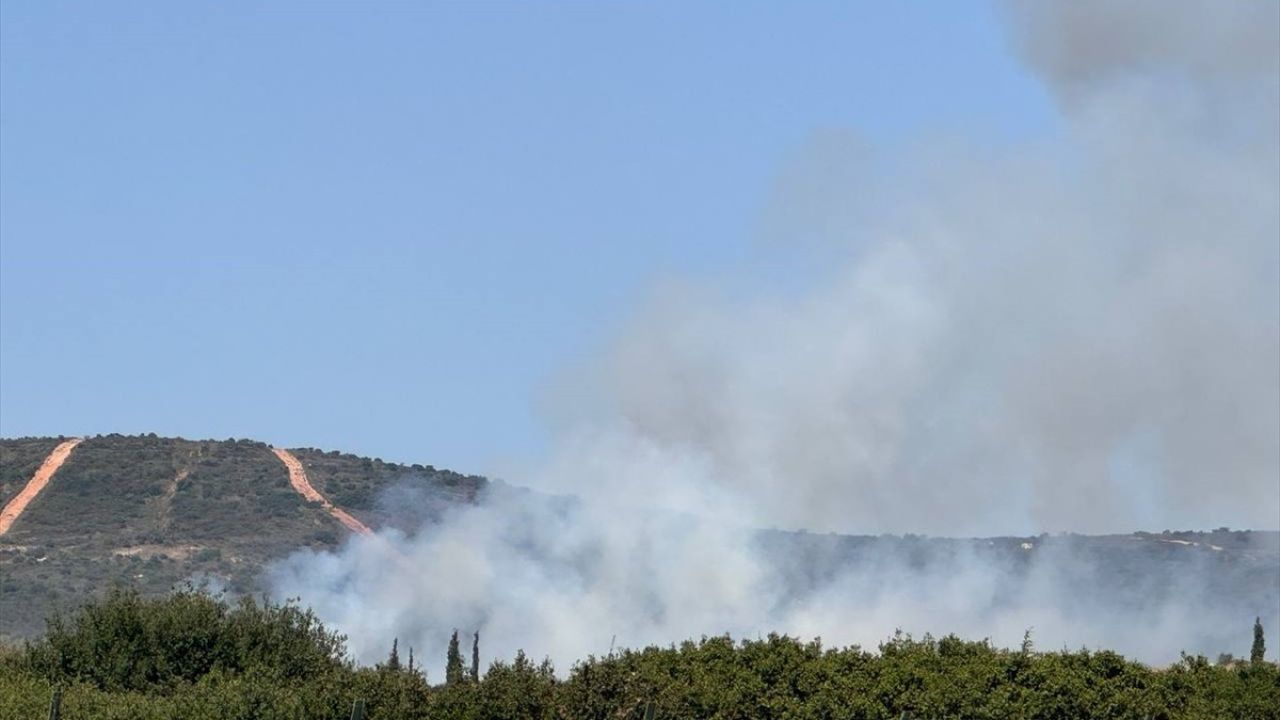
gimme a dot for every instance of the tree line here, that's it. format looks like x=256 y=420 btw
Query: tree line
x=192 y=655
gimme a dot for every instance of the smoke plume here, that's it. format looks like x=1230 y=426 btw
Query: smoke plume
x=1077 y=335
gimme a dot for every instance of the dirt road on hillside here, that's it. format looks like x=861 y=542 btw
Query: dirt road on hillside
x=13 y=509
x=298 y=479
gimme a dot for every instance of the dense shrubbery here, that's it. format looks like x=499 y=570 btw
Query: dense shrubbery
x=355 y=484
x=194 y=656
x=127 y=643
x=19 y=458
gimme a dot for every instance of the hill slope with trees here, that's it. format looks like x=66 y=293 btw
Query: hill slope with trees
x=153 y=512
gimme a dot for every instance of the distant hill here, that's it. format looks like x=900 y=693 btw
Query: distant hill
x=152 y=512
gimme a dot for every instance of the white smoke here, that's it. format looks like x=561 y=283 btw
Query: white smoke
x=1082 y=335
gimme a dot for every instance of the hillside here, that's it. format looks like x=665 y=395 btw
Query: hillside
x=153 y=512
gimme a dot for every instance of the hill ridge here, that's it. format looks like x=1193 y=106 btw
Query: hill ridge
x=298 y=479
x=154 y=512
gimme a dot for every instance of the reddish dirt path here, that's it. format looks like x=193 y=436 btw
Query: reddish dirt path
x=298 y=479
x=13 y=509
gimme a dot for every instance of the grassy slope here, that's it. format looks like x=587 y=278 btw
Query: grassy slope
x=153 y=512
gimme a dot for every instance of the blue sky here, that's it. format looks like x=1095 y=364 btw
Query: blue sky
x=384 y=227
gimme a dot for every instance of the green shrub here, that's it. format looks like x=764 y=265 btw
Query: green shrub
x=124 y=642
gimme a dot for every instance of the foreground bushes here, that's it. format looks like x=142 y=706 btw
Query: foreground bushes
x=193 y=656
x=126 y=643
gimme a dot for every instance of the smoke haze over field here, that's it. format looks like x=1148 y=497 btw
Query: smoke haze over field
x=1080 y=335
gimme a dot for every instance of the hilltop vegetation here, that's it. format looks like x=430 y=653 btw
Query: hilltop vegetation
x=152 y=512
x=361 y=485
x=191 y=655
x=18 y=462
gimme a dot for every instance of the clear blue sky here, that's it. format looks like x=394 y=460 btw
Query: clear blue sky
x=383 y=227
